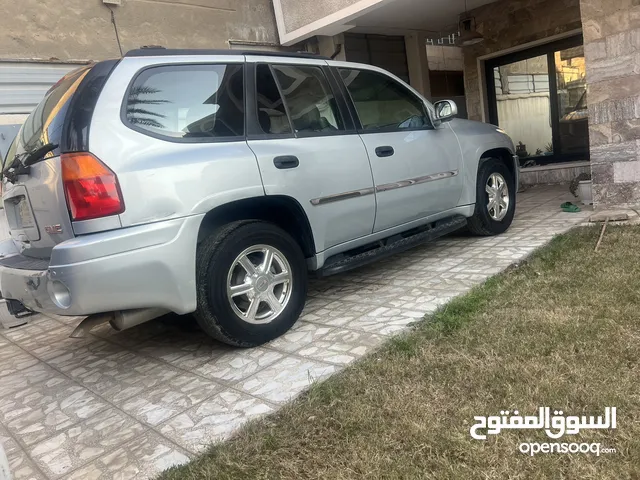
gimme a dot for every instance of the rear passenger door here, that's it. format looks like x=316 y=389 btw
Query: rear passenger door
x=307 y=147
x=416 y=167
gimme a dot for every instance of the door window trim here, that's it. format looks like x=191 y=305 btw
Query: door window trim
x=352 y=106
x=253 y=129
x=347 y=121
x=167 y=138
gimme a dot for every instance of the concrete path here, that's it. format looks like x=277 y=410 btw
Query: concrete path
x=131 y=404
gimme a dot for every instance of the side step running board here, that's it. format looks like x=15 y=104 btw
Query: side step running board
x=344 y=262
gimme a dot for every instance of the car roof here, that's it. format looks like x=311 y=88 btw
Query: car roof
x=169 y=52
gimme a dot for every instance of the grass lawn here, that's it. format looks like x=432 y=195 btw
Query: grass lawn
x=561 y=330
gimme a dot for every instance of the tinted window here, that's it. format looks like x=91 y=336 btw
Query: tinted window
x=188 y=101
x=45 y=123
x=309 y=98
x=272 y=115
x=382 y=103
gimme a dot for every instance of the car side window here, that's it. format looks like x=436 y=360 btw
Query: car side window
x=309 y=98
x=382 y=103
x=272 y=115
x=188 y=102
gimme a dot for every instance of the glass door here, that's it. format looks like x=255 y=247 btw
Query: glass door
x=571 y=97
x=523 y=105
x=539 y=97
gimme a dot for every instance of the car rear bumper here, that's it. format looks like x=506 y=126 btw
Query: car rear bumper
x=145 y=266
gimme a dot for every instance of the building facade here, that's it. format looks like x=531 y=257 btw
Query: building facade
x=561 y=76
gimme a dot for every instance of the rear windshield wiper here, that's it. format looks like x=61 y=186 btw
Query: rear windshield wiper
x=39 y=154
x=21 y=162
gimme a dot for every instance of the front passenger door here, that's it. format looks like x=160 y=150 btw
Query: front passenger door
x=416 y=167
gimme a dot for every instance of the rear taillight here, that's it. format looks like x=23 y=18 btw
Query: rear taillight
x=91 y=189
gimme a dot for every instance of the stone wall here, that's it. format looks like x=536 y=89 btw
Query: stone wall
x=510 y=23
x=82 y=29
x=612 y=49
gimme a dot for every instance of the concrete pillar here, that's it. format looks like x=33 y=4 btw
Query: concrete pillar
x=418 y=64
x=327 y=46
x=611 y=31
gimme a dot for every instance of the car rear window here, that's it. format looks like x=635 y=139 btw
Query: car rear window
x=44 y=125
x=188 y=102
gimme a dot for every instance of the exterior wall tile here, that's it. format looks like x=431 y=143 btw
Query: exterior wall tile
x=613 y=88
x=614 y=98
x=626 y=172
x=623 y=43
x=614 y=110
x=600 y=134
x=602 y=173
x=614 y=152
x=613 y=67
x=596 y=50
x=625 y=131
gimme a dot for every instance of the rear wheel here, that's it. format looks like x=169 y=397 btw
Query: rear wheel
x=495 y=199
x=252 y=283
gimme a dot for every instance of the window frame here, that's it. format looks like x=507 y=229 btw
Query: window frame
x=352 y=104
x=343 y=111
x=253 y=128
x=167 y=138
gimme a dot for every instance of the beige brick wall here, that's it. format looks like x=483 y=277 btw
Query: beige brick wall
x=82 y=29
x=612 y=49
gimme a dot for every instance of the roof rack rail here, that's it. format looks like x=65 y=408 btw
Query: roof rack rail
x=159 y=51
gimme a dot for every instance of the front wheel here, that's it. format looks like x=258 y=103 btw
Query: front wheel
x=252 y=283
x=495 y=199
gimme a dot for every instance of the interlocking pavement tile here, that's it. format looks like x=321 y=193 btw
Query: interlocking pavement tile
x=9 y=384
x=374 y=294
x=419 y=300
x=13 y=359
x=36 y=325
x=385 y=321
x=301 y=334
x=111 y=371
x=142 y=458
x=286 y=378
x=213 y=420
x=184 y=351
x=53 y=342
x=341 y=346
x=337 y=313
x=160 y=403
x=314 y=303
x=44 y=409
x=482 y=266
x=23 y=468
x=82 y=443
x=238 y=364
x=453 y=281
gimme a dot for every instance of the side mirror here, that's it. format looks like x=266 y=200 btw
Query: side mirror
x=446 y=110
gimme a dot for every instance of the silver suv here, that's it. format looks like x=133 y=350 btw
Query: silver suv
x=212 y=182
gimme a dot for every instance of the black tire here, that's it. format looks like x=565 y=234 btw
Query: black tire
x=481 y=222
x=215 y=258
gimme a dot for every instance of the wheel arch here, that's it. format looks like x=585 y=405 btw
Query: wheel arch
x=505 y=156
x=281 y=210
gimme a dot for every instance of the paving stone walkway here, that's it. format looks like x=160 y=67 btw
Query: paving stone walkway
x=128 y=405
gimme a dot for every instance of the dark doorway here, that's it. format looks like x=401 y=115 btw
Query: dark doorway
x=539 y=96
